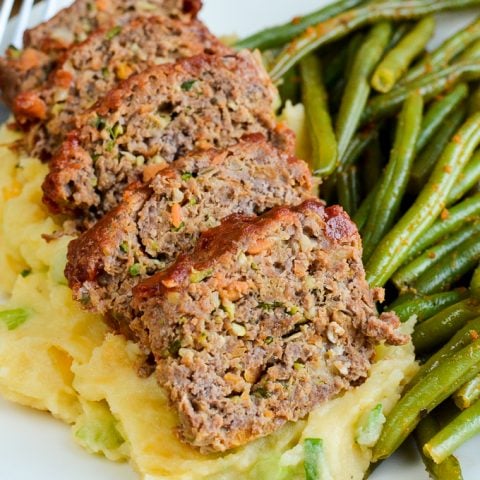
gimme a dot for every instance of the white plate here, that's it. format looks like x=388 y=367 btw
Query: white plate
x=34 y=446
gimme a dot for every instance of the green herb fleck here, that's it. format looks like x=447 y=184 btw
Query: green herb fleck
x=135 y=270
x=192 y=201
x=262 y=392
x=26 y=272
x=187 y=86
x=268 y=340
x=105 y=72
x=198 y=275
x=124 y=247
x=98 y=122
x=14 y=318
x=113 y=32
x=95 y=156
x=187 y=176
x=177 y=229
x=298 y=366
x=291 y=310
x=268 y=307
x=174 y=347
x=115 y=131
x=110 y=145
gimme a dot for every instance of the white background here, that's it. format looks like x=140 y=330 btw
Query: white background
x=34 y=446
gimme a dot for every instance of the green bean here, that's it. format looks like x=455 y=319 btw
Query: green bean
x=289 y=89
x=348 y=186
x=439 y=112
x=409 y=273
x=455 y=217
x=467 y=180
x=457 y=432
x=461 y=339
x=399 y=32
x=475 y=283
x=397 y=60
x=439 y=328
x=386 y=205
x=280 y=35
x=324 y=144
x=429 y=86
x=358 y=145
x=427 y=159
x=474 y=100
x=441 y=56
x=427 y=306
x=357 y=89
x=471 y=53
x=372 y=164
x=425 y=396
x=361 y=215
x=450 y=468
x=450 y=268
x=335 y=65
x=468 y=393
x=393 y=249
x=343 y=24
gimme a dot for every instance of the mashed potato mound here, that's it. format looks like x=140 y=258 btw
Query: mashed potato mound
x=63 y=360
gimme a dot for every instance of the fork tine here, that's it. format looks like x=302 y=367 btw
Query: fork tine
x=50 y=9
x=22 y=22
x=5 y=11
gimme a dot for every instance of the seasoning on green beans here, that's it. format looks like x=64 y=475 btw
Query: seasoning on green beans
x=343 y=24
x=438 y=329
x=429 y=86
x=456 y=433
x=450 y=468
x=322 y=136
x=426 y=306
x=451 y=267
x=399 y=58
x=467 y=180
x=465 y=336
x=357 y=89
x=439 y=112
x=394 y=181
x=408 y=274
x=471 y=53
x=429 y=392
x=278 y=36
x=450 y=220
x=394 y=248
x=441 y=56
x=427 y=159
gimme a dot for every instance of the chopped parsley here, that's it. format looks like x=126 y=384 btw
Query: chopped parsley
x=198 y=275
x=174 y=347
x=98 y=122
x=177 y=229
x=26 y=272
x=268 y=307
x=124 y=247
x=187 y=176
x=188 y=85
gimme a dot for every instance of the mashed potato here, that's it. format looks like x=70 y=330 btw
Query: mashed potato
x=56 y=357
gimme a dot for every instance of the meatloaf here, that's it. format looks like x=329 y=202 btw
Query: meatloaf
x=95 y=66
x=164 y=216
x=266 y=318
x=44 y=44
x=156 y=117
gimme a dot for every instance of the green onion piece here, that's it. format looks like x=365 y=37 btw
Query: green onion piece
x=187 y=86
x=26 y=272
x=113 y=32
x=135 y=270
x=370 y=427
x=198 y=275
x=315 y=462
x=14 y=318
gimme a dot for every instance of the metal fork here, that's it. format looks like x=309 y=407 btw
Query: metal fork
x=22 y=19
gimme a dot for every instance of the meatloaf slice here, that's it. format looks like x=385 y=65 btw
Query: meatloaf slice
x=165 y=215
x=44 y=44
x=156 y=117
x=97 y=65
x=266 y=318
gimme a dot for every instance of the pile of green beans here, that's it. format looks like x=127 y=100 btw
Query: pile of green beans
x=394 y=133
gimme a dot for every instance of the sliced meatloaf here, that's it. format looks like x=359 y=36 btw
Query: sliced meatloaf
x=165 y=215
x=94 y=67
x=44 y=44
x=266 y=318
x=156 y=117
